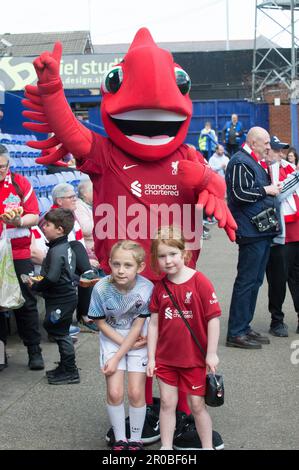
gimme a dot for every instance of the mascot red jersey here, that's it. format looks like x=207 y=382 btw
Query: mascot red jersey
x=143 y=174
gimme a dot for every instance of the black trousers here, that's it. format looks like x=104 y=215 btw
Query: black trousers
x=82 y=265
x=282 y=270
x=27 y=317
x=57 y=323
x=82 y=260
x=3 y=327
x=293 y=273
x=231 y=149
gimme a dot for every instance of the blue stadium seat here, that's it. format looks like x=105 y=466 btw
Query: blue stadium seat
x=5 y=139
x=53 y=180
x=18 y=151
x=60 y=177
x=15 y=165
x=44 y=205
x=11 y=149
x=81 y=176
x=35 y=184
x=44 y=186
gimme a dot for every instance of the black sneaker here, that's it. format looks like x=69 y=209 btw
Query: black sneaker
x=36 y=361
x=151 y=428
x=57 y=370
x=280 y=330
x=64 y=378
x=186 y=437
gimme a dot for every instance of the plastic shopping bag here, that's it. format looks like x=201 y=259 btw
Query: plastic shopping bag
x=10 y=291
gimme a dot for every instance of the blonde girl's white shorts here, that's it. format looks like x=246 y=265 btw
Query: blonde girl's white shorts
x=134 y=361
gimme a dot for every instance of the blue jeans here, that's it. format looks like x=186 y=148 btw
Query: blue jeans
x=252 y=262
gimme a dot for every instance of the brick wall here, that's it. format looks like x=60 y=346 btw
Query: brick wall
x=279 y=116
x=280 y=121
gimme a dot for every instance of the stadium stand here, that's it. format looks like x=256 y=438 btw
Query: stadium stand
x=22 y=160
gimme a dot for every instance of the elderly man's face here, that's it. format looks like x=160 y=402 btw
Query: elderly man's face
x=68 y=201
x=273 y=156
x=261 y=145
x=3 y=167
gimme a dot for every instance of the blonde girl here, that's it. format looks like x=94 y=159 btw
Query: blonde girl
x=119 y=306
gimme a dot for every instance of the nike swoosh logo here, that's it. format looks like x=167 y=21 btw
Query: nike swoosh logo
x=194 y=388
x=165 y=296
x=156 y=428
x=127 y=167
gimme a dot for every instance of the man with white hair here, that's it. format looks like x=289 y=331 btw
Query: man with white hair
x=250 y=194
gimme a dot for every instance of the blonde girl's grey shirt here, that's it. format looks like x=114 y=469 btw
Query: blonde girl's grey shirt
x=120 y=310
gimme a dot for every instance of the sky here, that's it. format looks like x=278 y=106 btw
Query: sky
x=116 y=21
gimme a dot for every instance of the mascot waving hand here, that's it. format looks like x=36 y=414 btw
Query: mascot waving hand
x=143 y=174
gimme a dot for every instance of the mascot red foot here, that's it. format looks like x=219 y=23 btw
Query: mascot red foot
x=143 y=174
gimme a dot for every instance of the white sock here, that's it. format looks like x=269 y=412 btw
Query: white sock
x=117 y=419
x=165 y=448
x=137 y=417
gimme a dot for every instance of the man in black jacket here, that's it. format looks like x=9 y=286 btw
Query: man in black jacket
x=58 y=289
x=249 y=193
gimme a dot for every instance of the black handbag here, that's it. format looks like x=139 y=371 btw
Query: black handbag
x=267 y=220
x=214 y=382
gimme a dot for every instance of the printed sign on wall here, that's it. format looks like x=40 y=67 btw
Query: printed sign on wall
x=77 y=71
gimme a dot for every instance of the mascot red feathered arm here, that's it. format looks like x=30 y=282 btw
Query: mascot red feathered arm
x=146 y=111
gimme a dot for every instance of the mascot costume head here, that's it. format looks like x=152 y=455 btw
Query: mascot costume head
x=146 y=108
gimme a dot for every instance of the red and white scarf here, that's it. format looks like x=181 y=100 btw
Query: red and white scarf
x=250 y=151
x=280 y=171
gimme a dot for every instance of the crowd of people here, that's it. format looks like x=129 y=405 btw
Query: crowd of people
x=54 y=257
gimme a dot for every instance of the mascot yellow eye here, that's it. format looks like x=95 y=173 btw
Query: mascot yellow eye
x=183 y=80
x=112 y=80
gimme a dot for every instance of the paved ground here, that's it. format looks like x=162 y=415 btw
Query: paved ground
x=262 y=387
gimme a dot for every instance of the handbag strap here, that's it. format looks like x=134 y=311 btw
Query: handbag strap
x=183 y=318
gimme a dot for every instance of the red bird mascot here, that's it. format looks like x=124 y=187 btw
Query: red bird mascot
x=143 y=174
